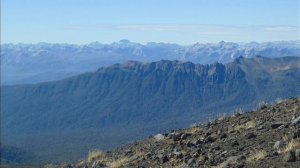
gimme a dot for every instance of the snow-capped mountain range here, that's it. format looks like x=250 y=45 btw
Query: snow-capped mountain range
x=32 y=63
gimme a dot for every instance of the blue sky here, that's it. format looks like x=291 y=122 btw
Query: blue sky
x=175 y=21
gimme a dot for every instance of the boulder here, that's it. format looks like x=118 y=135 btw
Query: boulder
x=297 y=154
x=159 y=137
x=289 y=157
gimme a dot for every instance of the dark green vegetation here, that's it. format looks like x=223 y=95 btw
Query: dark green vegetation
x=62 y=120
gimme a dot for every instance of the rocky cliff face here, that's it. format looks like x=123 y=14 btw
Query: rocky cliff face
x=267 y=137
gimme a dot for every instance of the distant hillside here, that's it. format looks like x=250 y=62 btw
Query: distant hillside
x=267 y=137
x=9 y=154
x=33 y=63
x=125 y=102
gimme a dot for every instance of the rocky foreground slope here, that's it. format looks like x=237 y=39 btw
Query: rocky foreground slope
x=267 y=137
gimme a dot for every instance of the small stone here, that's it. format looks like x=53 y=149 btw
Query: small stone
x=164 y=159
x=250 y=135
x=275 y=153
x=203 y=158
x=177 y=154
x=235 y=143
x=233 y=160
x=68 y=166
x=184 y=136
x=296 y=134
x=263 y=107
x=260 y=127
x=196 y=142
x=289 y=157
x=191 y=161
x=223 y=153
x=209 y=139
x=223 y=136
x=128 y=152
x=297 y=154
x=219 y=132
x=207 y=134
x=296 y=122
x=98 y=164
x=216 y=148
x=176 y=136
x=148 y=155
x=277 y=145
x=276 y=125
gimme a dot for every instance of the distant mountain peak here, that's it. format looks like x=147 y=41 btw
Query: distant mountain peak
x=28 y=63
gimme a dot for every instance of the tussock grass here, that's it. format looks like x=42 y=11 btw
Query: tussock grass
x=193 y=130
x=292 y=145
x=119 y=162
x=95 y=155
x=248 y=125
x=50 y=166
x=257 y=155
